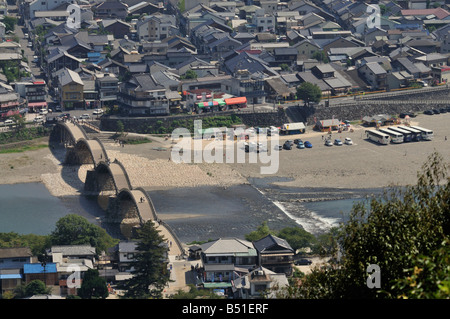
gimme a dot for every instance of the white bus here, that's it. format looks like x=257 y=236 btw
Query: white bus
x=396 y=137
x=416 y=134
x=378 y=137
x=427 y=134
x=407 y=135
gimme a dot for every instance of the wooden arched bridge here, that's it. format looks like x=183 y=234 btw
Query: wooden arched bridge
x=125 y=206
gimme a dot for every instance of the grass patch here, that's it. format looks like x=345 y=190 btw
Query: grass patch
x=136 y=141
x=23 y=149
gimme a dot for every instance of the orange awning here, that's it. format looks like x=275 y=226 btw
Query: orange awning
x=236 y=100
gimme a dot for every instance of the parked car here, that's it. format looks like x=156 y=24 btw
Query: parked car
x=290 y=142
x=328 y=142
x=38 y=119
x=97 y=112
x=443 y=110
x=9 y=122
x=58 y=108
x=287 y=145
x=428 y=112
x=30 y=44
x=64 y=116
x=436 y=111
x=278 y=147
x=300 y=145
x=410 y=114
x=348 y=141
x=302 y=261
x=297 y=140
x=85 y=116
x=43 y=111
x=338 y=142
x=308 y=144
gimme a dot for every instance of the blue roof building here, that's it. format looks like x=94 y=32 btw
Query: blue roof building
x=37 y=268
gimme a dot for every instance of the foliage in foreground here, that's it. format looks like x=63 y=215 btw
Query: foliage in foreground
x=73 y=229
x=150 y=275
x=405 y=232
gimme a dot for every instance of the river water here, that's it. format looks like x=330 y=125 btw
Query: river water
x=29 y=208
x=219 y=212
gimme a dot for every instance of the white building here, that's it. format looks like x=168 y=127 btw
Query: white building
x=264 y=22
x=46 y=5
x=156 y=27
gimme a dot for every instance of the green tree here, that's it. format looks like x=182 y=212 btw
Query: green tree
x=297 y=237
x=151 y=274
x=76 y=230
x=309 y=92
x=10 y=23
x=261 y=232
x=120 y=128
x=93 y=286
x=194 y=293
x=429 y=276
x=190 y=74
x=284 y=67
x=37 y=243
x=327 y=243
x=320 y=56
x=405 y=232
x=36 y=287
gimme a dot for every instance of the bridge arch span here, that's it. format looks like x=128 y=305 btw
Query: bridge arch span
x=144 y=208
x=86 y=152
x=125 y=206
x=111 y=176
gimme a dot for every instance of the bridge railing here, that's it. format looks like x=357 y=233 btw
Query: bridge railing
x=103 y=147
x=177 y=241
x=149 y=200
x=125 y=173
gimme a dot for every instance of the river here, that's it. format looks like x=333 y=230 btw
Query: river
x=29 y=208
x=218 y=212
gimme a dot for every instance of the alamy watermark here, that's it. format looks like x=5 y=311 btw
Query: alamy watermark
x=74 y=279
x=374 y=278
x=226 y=145
x=374 y=19
x=74 y=19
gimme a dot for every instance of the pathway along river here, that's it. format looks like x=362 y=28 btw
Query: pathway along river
x=219 y=212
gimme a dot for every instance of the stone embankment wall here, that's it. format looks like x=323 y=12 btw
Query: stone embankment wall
x=389 y=103
x=392 y=103
x=142 y=124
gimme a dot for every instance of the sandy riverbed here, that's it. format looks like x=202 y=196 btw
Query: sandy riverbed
x=362 y=165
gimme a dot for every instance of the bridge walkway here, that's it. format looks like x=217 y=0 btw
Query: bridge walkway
x=145 y=206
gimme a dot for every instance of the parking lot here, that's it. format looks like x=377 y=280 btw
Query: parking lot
x=365 y=164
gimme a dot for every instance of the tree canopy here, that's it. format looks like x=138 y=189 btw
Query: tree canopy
x=93 y=286
x=76 y=230
x=405 y=232
x=309 y=92
x=150 y=274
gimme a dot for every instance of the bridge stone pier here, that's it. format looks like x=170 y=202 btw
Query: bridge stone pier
x=126 y=208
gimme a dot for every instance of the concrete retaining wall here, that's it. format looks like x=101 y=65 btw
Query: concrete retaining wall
x=392 y=103
x=142 y=124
